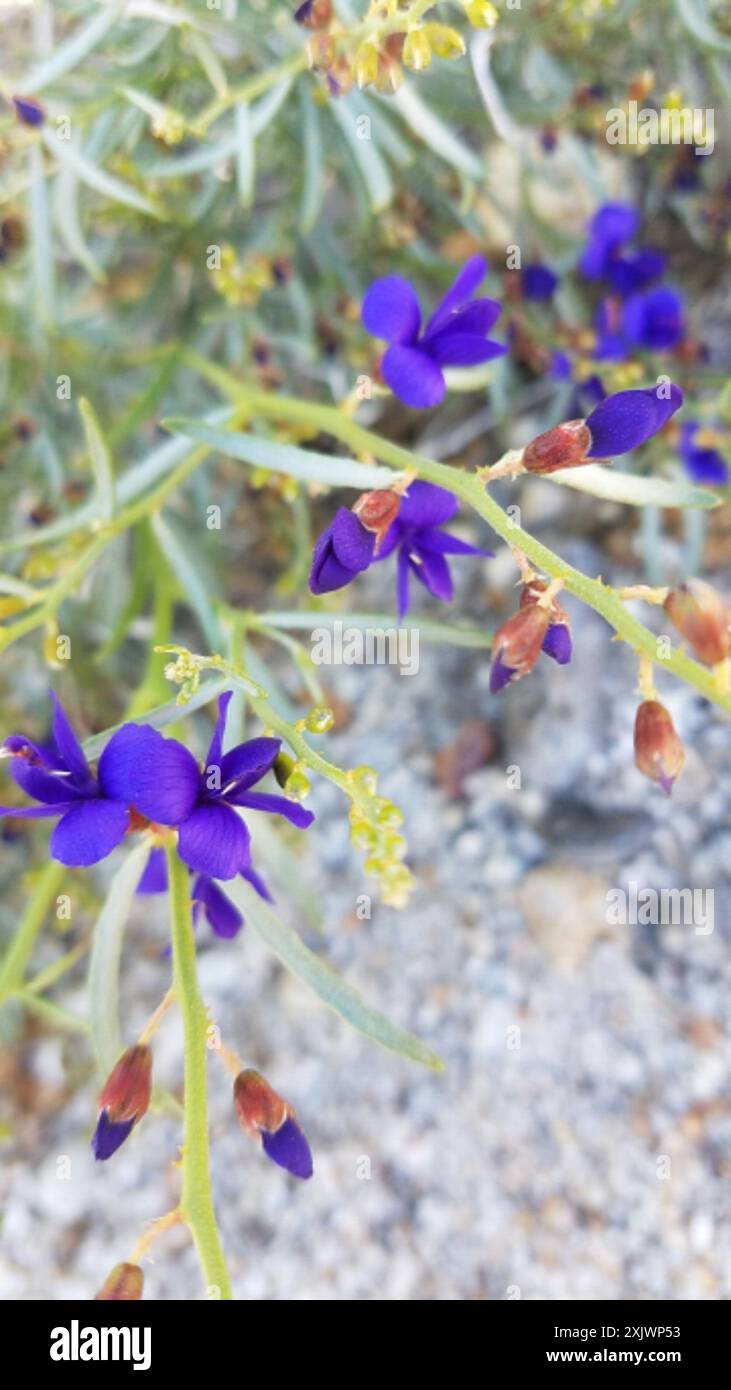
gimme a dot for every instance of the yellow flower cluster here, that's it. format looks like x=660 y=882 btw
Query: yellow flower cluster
x=374 y=828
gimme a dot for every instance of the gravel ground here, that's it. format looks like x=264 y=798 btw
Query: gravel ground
x=576 y=1146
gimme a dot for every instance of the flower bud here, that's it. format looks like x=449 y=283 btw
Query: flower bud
x=517 y=645
x=482 y=14
x=565 y=446
x=659 y=752
x=557 y=641
x=366 y=64
x=124 y=1284
x=701 y=616
x=376 y=510
x=123 y=1101
x=417 y=50
x=314 y=14
x=29 y=111
x=265 y=1115
x=444 y=41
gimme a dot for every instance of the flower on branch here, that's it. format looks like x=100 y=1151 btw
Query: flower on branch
x=455 y=335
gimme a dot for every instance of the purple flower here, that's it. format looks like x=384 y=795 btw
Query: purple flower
x=537 y=282
x=212 y=838
x=422 y=546
x=653 y=319
x=343 y=550
x=609 y=228
x=94 y=811
x=629 y=273
x=455 y=335
x=220 y=913
x=701 y=460
x=28 y=111
x=629 y=418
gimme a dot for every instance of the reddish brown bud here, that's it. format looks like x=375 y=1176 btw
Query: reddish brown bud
x=126 y=1093
x=659 y=752
x=563 y=447
x=701 y=616
x=314 y=14
x=124 y=1284
x=517 y=645
x=376 y=510
x=258 y=1105
x=531 y=593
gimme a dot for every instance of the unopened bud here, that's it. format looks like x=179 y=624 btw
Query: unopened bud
x=445 y=42
x=557 y=642
x=702 y=618
x=376 y=510
x=517 y=645
x=563 y=447
x=366 y=64
x=314 y=14
x=265 y=1115
x=124 y=1284
x=417 y=50
x=659 y=752
x=482 y=14
x=29 y=111
x=124 y=1100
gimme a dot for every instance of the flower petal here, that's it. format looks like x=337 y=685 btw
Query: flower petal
x=275 y=805
x=214 y=841
x=249 y=762
x=403 y=568
x=215 y=750
x=477 y=317
x=654 y=319
x=451 y=349
x=68 y=745
x=155 y=875
x=156 y=775
x=37 y=812
x=426 y=504
x=89 y=832
x=433 y=572
x=257 y=883
x=627 y=419
x=343 y=550
x=108 y=1137
x=413 y=377
x=41 y=785
x=224 y=918
x=470 y=276
x=391 y=310
x=289 y=1148
x=557 y=643
x=443 y=544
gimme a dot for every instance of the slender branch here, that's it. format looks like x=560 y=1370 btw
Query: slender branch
x=593 y=592
x=196 y=1201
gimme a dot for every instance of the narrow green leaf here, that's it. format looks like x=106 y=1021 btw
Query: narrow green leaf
x=245 y=156
x=42 y=270
x=69 y=54
x=330 y=987
x=367 y=156
x=193 y=582
x=67 y=154
x=698 y=22
x=637 y=491
x=101 y=461
x=313 y=175
x=68 y=221
x=285 y=458
x=435 y=134
x=106 y=954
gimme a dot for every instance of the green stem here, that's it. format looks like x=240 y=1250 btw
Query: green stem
x=196 y=1201
x=472 y=489
x=19 y=952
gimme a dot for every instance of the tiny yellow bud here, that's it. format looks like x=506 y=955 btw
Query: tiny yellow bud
x=445 y=42
x=366 y=64
x=482 y=14
x=417 y=50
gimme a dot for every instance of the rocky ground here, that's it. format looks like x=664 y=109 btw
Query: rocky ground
x=577 y=1145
